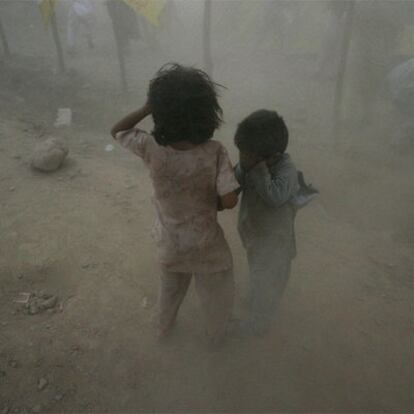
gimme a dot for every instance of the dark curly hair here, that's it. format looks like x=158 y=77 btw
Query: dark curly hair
x=184 y=105
x=262 y=133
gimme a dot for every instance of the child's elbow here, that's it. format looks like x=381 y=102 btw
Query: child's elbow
x=229 y=200
x=113 y=132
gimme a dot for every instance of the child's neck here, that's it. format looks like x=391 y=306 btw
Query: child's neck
x=183 y=145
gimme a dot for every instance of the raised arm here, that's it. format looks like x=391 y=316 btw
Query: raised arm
x=131 y=120
x=277 y=190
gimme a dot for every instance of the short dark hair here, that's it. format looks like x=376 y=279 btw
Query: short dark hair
x=262 y=133
x=184 y=105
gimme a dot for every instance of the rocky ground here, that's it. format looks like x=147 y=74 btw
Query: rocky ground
x=78 y=283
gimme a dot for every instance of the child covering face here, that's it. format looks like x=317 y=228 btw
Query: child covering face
x=190 y=173
x=269 y=182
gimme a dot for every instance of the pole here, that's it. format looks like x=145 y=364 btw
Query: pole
x=121 y=60
x=59 y=50
x=339 y=87
x=4 y=41
x=208 y=62
x=113 y=14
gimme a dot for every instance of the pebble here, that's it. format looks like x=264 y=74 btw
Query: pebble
x=33 y=309
x=75 y=349
x=42 y=384
x=41 y=303
x=12 y=188
x=58 y=397
x=49 y=302
x=5 y=410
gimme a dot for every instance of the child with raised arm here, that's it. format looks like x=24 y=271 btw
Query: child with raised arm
x=269 y=181
x=191 y=174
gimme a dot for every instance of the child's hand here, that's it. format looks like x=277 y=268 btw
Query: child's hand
x=131 y=120
x=274 y=159
x=248 y=160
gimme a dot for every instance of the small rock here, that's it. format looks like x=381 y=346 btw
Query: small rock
x=12 y=188
x=2 y=374
x=49 y=155
x=58 y=397
x=17 y=157
x=5 y=410
x=144 y=303
x=45 y=295
x=42 y=384
x=49 y=303
x=13 y=363
x=33 y=308
x=37 y=409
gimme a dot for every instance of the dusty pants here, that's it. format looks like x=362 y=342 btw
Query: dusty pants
x=269 y=271
x=216 y=293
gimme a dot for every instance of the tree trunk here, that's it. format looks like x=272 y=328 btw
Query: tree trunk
x=59 y=50
x=4 y=41
x=344 y=50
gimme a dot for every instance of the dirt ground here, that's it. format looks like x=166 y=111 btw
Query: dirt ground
x=344 y=337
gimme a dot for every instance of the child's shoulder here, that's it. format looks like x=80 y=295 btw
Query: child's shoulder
x=213 y=143
x=214 y=147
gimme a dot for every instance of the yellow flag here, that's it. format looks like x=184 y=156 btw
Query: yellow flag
x=150 y=9
x=47 y=8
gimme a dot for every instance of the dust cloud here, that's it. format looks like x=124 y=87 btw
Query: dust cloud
x=79 y=272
